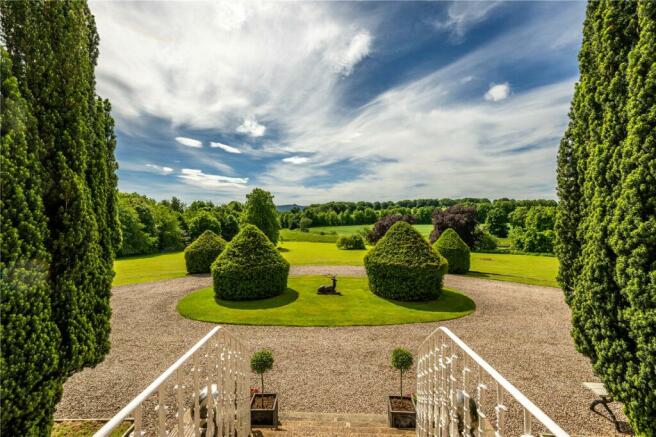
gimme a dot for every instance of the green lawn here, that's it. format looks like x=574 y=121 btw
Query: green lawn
x=147 y=268
x=425 y=230
x=300 y=305
x=85 y=428
x=527 y=269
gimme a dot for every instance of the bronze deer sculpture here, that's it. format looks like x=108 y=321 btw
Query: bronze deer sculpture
x=329 y=289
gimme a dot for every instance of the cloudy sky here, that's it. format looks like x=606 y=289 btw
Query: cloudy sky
x=338 y=101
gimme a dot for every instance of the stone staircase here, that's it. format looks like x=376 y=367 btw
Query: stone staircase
x=331 y=425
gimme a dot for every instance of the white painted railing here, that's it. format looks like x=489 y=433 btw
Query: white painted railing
x=458 y=393
x=217 y=364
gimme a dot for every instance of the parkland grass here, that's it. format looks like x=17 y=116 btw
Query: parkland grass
x=85 y=428
x=526 y=269
x=300 y=305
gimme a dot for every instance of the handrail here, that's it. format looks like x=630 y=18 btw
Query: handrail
x=148 y=391
x=529 y=406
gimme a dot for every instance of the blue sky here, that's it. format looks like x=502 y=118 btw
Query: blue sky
x=338 y=101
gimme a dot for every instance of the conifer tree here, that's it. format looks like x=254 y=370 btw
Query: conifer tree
x=29 y=380
x=261 y=212
x=606 y=223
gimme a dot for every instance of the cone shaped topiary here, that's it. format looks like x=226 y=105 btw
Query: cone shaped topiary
x=249 y=268
x=403 y=266
x=200 y=254
x=455 y=250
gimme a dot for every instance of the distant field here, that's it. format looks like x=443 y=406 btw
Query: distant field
x=527 y=269
x=329 y=234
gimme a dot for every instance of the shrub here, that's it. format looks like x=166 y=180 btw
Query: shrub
x=456 y=251
x=200 y=254
x=460 y=218
x=249 y=268
x=403 y=266
x=382 y=226
x=262 y=362
x=305 y=224
x=401 y=361
x=484 y=240
x=350 y=242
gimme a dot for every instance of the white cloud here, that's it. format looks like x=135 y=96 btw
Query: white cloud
x=160 y=169
x=225 y=147
x=498 y=92
x=357 y=49
x=251 y=127
x=189 y=142
x=462 y=15
x=210 y=181
x=296 y=160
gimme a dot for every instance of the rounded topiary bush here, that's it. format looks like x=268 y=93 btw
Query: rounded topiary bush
x=403 y=266
x=249 y=268
x=200 y=254
x=455 y=250
x=350 y=242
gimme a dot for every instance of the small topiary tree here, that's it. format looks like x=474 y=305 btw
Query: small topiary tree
x=403 y=266
x=249 y=268
x=401 y=361
x=456 y=251
x=200 y=254
x=350 y=242
x=262 y=362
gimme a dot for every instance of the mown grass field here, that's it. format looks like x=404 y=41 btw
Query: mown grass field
x=527 y=269
x=300 y=305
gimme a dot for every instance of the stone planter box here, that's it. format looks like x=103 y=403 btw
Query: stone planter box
x=397 y=418
x=264 y=417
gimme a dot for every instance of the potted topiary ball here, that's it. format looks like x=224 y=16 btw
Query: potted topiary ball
x=264 y=406
x=200 y=254
x=455 y=250
x=401 y=409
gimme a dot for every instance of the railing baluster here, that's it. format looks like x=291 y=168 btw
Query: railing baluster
x=451 y=403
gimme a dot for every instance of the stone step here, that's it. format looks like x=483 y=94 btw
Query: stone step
x=301 y=424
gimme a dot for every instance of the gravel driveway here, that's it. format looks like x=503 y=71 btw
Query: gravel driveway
x=521 y=330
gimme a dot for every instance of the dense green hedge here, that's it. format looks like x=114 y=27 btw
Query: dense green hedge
x=403 y=266
x=350 y=242
x=606 y=219
x=200 y=254
x=249 y=268
x=456 y=251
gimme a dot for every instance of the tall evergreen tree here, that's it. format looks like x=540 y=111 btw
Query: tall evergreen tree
x=606 y=222
x=29 y=380
x=54 y=48
x=261 y=212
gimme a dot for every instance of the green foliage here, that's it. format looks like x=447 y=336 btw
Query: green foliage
x=606 y=219
x=262 y=362
x=200 y=254
x=249 y=268
x=305 y=224
x=403 y=266
x=135 y=240
x=531 y=240
x=70 y=150
x=203 y=221
x=350 y=242
x=29 y=379
x=497 y=221
x=401 y=361
x=484 y=240
x=261 y=212
x=456 y=251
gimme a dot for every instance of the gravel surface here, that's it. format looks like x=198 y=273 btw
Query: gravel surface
x=521 y=330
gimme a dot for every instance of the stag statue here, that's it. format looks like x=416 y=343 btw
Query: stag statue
x=329 y=289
